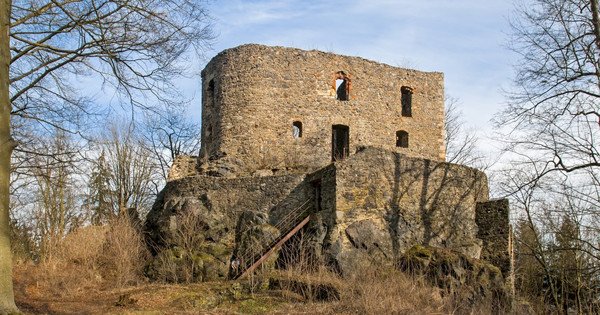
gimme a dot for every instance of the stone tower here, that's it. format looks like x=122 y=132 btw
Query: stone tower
x=275 y=109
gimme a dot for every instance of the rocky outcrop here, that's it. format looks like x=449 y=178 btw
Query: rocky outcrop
x=193 y=222
x=183 y=166
x=374 y=239
x=221 y=167
x=377 y=204
x=469 y=280
x=253 y=235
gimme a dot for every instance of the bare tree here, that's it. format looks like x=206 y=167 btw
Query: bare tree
x=553 y=112
x=460 y=141
x=170 y=133
x=556 y=239
x=552 y=127
x=131 y=169
x=55 y=209
x=132 y=46
x=531 y=232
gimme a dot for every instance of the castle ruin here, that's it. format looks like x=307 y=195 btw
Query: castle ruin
x=344 y=152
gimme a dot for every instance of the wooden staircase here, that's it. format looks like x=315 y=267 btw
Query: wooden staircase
x=289 y=225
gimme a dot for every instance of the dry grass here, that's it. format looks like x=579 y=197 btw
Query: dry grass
x=124 y=254
x=87 y=260
x=381 y=291
x=369 y=290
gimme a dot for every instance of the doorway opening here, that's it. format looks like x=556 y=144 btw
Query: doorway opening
x=340 y=142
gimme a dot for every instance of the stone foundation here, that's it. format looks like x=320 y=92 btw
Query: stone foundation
x=372 y=206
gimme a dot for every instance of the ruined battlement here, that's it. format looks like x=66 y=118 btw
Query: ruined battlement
x=273 y=108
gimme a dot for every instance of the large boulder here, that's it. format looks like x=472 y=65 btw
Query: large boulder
x=374 y=239
x=369 y=244
x=190 y=241
x=471 y=281
x=253 y=236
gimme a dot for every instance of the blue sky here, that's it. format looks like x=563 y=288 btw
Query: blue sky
x=465 y=39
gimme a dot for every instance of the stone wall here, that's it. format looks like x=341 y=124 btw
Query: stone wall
x=183 y=166
x=371 y=207
x=253 y=94
x=387 y=202
x=492 y=219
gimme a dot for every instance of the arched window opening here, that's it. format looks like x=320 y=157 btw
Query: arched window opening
x=297 y=129
x=407 y=93
x=341 y=85
x=402 y=139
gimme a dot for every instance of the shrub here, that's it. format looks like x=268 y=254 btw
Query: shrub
x=123 y=254
x=89 y=258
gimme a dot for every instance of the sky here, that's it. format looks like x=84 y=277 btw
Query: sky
x=464 y=39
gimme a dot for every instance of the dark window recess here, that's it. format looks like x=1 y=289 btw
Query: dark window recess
x=318 y=199
x=407 y=93
x=211 y=88
x=340 y=142
x=210 y=94
x=342 y=85
x=402 y=139
x=297 y=129
x=209 y=131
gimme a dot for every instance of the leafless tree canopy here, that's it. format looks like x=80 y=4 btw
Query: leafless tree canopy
x=134 y=47
x=461 y=142
x=170 y=133
x=62 y=53
x=554 y=109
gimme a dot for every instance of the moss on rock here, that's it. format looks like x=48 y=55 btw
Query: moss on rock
x=467 y=279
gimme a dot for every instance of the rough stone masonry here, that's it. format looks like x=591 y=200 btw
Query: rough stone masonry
x=371 y=169
x=254 y=94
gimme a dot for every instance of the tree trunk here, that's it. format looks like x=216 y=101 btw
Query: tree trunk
x=596 y=21
x=7 y=301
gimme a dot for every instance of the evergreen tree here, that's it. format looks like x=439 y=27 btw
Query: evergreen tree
x=100 y=195
x=529 y=272
x=567 y=264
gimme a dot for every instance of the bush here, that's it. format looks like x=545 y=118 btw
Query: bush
x=378 y=290
x=124 y=253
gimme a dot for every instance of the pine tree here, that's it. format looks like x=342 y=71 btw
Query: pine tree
x=100 y=194
x=529 y=271
x=567 y=263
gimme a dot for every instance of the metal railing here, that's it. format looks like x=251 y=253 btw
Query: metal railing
x=285 y=225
